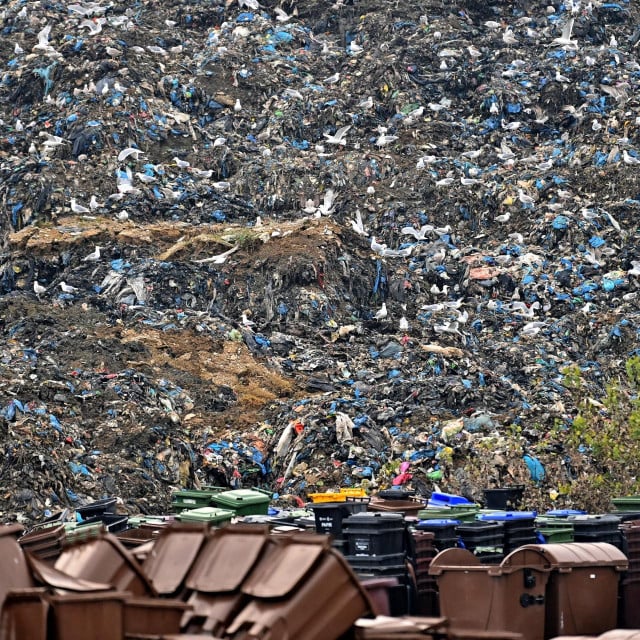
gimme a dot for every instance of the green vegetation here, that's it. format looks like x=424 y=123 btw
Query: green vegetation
x=604 y=436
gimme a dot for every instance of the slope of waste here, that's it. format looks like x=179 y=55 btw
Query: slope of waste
x=309 y=245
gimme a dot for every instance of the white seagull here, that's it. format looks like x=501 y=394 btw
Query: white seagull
x=67 y=288
x=77 y=208
x=94 y=204
x=38 y=288
x=381 y=313
x=339 y=136
x=565 y=40
x=418 y=234
x=376 y=246
x=326 y=208
x=94 y=256
x=358 y=225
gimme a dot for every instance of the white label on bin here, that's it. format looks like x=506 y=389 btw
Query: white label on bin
x=189 y=501
x=362 y=544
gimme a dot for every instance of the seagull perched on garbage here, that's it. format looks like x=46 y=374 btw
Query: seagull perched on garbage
x=94 y=204
x=339 y=136
x=326 y=208
x=376 y=246
x=67 y=288
x=525 y=198
x=532 y=328
x=508 y=37
x=94 y=256
x=381 y=313
x=384 y=139
x=245 y=319
x=181 y=164
x=38 y=289
x=77 y=208
x=628 y=158
x=332 y=79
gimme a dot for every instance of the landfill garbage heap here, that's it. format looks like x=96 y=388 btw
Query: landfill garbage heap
x=309 y=245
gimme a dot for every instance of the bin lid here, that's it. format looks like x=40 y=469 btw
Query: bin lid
x=173 y=553
x=505 y=516
x=564 y=513
x=479 y=525
x=206 y=514
x=285 y=567
x=397 y=493
x=456 y=559
x=193 y=493
x=437 y=523
x=599 y=518
x=240 y=497
x=328 y=506
x=227 y=558
x=375 y=518
x=565 y=556
x=439 y=499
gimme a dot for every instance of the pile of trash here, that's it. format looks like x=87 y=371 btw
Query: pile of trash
x=306 y=245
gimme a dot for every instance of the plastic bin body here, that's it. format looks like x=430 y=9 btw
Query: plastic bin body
x=329 y=515
x=504 y=497
x=74 y=614
x=582 y=593
x=112 y=522
x=97 y=508
x=45 y=543
x=518 y=527
x=556 y=535
x=629 y=613
x=627 y=503
x=195 y=499
x=597 y=528
x=444 y=532
x=366 y=562
x=506 y=597
x=245 y=502
x=374 y=534
x=481 y=535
